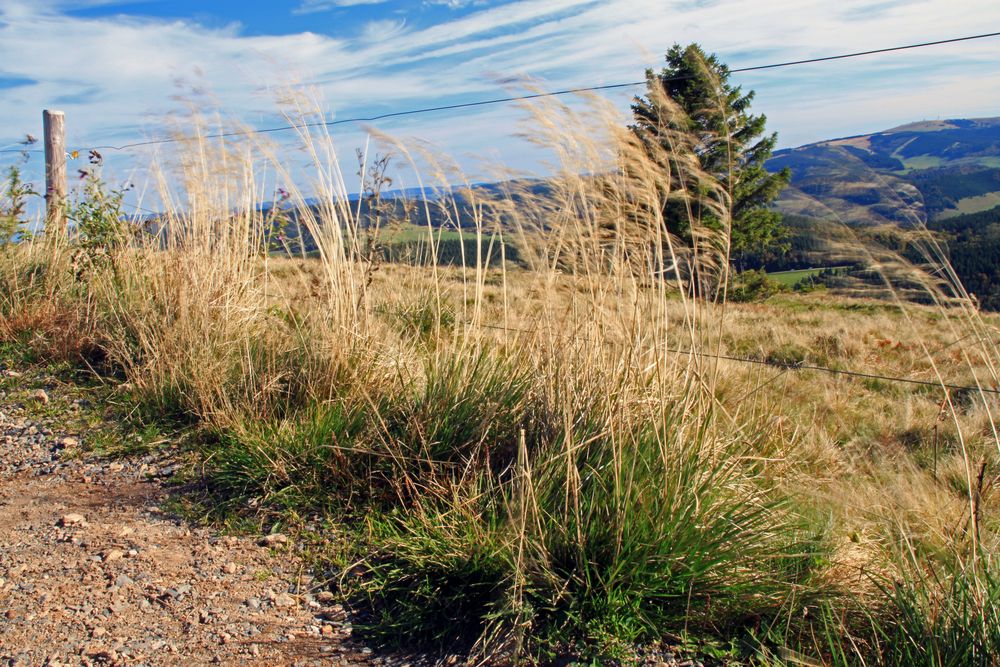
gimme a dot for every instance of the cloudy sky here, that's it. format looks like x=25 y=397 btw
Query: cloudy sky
x=119 y=68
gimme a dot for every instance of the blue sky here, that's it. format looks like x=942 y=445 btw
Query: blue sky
x=120 y=69
x=336 y=19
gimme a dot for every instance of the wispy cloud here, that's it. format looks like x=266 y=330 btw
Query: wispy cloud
x=457 y=4
x=383 y=29
x=116 y=74
x=314 y=6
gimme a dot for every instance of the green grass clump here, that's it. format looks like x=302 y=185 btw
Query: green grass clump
x=435 y=578
x=599 y=541
x=941 y=619
x=461 y=415
x=944 y=617
x=300 y=461
x=667 y=532
x=464 y=411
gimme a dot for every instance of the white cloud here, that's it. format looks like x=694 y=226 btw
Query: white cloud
x=456 y=4
x=313 y=6
x=115 y=75
x=381 y=30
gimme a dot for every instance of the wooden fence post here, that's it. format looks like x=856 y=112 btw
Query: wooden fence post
x=54 y=126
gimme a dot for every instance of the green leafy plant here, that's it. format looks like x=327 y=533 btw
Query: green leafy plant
x=13 y=206
x=101 y=229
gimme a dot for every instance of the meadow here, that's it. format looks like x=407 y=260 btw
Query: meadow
x=790 y=278
x=550 y=459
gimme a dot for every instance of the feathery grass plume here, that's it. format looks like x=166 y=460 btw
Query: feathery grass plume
x=933 y=591
x=550 y=457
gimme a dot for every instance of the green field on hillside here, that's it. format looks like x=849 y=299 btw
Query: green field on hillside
x=972 y=205
x=790 y=278
x=408 y=233
x=923 y=162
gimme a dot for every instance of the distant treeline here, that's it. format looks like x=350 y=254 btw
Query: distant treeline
x=944 y=187
x=973 y=242
x=807 y=245
x=292 y=235
x=450 y=252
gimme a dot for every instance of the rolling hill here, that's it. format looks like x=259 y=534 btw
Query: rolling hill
x=907 y=175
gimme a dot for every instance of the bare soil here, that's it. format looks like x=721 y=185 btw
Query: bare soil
x=94 y=571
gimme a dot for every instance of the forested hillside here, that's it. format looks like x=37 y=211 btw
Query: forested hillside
x=904 y=176
x=973 y=242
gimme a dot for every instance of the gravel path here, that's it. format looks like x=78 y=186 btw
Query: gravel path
x=93 y=571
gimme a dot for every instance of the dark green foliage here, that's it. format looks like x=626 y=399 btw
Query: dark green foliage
x=943 y=188
x=973 y=243
x=976 y=263
x=753 y=286
x=970 y=223
x=807 y=244
x=730 y=145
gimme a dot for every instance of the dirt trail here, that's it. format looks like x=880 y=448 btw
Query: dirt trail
x=93 y=571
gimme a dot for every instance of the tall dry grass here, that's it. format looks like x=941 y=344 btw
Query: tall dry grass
x=551 y=459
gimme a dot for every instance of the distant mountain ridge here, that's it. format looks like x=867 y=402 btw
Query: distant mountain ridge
x=914 y=173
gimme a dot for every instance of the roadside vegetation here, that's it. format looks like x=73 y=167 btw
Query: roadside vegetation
x=548 y=458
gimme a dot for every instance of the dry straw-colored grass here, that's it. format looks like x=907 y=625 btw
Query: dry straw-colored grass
x=566 y=422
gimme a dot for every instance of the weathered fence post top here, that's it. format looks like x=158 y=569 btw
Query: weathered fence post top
x=54 y=127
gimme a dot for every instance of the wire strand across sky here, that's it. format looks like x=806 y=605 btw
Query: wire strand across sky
x=519 y=98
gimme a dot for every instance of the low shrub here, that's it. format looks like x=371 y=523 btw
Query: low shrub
x=754 y=285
